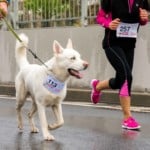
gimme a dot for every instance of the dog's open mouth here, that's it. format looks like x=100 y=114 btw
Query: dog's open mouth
x=75 y=73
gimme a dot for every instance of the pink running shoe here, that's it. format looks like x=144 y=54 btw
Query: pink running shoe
x=95 y=95
x=130 y=124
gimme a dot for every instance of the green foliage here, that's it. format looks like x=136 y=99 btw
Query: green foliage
x=47 y=8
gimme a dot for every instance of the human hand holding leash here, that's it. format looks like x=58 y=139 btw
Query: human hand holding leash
x=114 y=24
x=3 y=8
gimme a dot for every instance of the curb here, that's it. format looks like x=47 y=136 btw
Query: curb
x=83 y=95
x=108 y=97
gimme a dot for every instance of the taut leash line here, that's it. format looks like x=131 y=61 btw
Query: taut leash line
x=18 y=38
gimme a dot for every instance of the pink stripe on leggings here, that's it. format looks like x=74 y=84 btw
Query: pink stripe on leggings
x=124 y=89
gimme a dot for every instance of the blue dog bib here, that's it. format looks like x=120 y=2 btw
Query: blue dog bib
x=53 y=85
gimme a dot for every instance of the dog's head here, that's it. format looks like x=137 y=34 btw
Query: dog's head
x=69 y=59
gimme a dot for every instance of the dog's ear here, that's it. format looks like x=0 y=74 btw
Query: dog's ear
x=57 y=48
x=69 y=44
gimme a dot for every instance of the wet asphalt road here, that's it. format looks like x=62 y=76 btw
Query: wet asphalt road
x=85 y=128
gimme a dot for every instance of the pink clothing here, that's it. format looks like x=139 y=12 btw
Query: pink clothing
x=124 y=89
x=130 y=3
x=103 y=18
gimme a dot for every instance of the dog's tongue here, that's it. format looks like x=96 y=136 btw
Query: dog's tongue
x=76 y=73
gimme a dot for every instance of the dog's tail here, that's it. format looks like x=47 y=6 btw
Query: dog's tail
x=21 y=51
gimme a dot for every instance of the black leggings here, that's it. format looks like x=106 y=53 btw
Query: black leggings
x=121 y=58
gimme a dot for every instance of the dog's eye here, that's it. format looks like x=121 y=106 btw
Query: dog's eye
x=73 y=58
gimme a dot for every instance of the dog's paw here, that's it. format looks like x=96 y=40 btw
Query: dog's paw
x=20 y=127
x=49 y=137
x=34 y=130
x=54 y=126
x=51 y=126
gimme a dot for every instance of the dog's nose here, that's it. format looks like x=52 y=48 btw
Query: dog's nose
x=85 y=64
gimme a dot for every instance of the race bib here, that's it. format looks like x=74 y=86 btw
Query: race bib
x=127 y=30
x=53 y=85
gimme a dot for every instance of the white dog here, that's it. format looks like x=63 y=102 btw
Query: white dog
x=47 y=86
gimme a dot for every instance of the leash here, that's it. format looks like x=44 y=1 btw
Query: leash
x=18 y=38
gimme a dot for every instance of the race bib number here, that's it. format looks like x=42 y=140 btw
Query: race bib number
x=127 y=30
x=53 y=85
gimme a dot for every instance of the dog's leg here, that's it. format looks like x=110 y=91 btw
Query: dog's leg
x=19 y=114
x=34 y=129
x=44 y=124
x=57 y=109
x=20 y=99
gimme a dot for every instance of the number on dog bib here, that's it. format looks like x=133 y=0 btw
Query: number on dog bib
x=127 y=30
x=53 y=85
